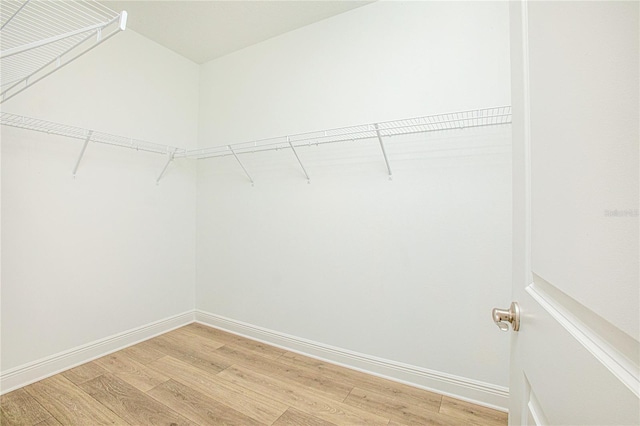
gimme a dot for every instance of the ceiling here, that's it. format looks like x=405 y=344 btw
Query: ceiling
x=205 y=30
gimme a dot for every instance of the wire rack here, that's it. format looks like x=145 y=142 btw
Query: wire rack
x=49 y=127
x=38 y=37
x=432 y=123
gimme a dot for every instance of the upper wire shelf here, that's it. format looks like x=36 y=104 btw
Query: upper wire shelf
x=49 y=127
x=431 y=123
x=38 y=37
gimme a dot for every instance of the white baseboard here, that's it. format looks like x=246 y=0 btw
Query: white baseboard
x=37 y=370
x=486 y=394
x=474 y=391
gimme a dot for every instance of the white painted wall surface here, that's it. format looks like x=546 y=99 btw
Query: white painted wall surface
x=591 y=178
x=110 y=251
x=406 y=270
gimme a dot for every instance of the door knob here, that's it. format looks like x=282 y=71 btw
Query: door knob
x=504 y=316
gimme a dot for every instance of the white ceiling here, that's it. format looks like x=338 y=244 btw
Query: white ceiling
x=205 y=30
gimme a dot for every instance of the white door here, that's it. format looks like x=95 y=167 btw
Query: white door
x=575 y=71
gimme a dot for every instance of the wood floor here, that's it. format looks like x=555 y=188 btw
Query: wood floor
x=198 y=375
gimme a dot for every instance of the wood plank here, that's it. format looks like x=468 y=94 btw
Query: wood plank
x=211 y=333
x=293 y=417
x=20 y=408
x=189 y=333
x=438 y=420
x=83 y=373
x=194 y=341
x=295 y=375
x=69 y=404
x=206 y=361
x=397 y=409
x=198 y=407
x=262 y=384
x=131 y=371
x=263 y=349
x=143 y=352
x=410 y=394
x=130 y=404
x=51 y=421
x=306 y=400
x=307 y=379
x=237 y=354
x=472 y=413
x=253 y=404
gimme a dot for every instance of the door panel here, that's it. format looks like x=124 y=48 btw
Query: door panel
x=575 y=72
x=533 y=412
x=583 y=67
x=571 y=385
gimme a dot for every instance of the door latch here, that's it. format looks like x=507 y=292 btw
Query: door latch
x=502 y=317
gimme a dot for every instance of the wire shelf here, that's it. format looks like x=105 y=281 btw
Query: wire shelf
x=38 y=37
x=49 y=127
x=432 y=123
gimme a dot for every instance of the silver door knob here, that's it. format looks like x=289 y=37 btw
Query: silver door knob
x=502 y=317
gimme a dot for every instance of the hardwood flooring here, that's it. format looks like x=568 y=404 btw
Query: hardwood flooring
x=198 y=375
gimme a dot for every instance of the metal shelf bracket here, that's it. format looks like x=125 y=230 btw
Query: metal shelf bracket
x=298 y=158
x=170 y=157
x=84 y=147
x=241 y=165
x=384 y=152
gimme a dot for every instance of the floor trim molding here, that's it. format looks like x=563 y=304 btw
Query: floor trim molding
x=40 y=369
x=486 y=394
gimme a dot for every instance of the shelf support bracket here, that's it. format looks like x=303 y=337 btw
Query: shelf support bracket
x=166 y=165
x=298 y=158
x=384 y=152
x=241 y=165
x=84 y=147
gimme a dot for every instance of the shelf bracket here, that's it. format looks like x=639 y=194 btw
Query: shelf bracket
x=84 y=147
x=241 y=165
x=298 y=158
x=384 y=152
x=164 y=169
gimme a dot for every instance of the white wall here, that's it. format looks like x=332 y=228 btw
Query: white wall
x=110 y=251
x=407 y=270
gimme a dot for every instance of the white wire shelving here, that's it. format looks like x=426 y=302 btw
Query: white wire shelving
x=38 y=37
x=495 y=116
x=87 y=135
x=431 y=123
